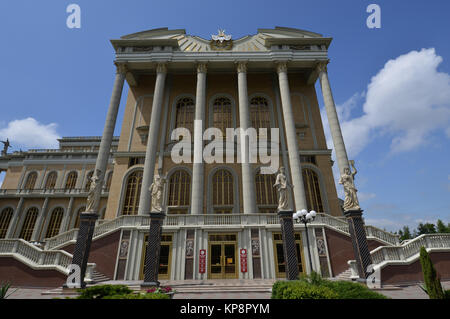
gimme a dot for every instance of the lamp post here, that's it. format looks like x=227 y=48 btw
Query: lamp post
x=304 y=217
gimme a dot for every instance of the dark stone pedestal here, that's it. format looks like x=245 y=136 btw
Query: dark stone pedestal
x=83 y=244
x=359 y=240
x=290 y=253
x=153 y=249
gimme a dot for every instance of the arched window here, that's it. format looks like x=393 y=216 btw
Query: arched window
x=312 y=190
x=5 y=219
x=132 y=193
x=55 y=222
x=260 y=115
x=184 y=116
x=223 y=197
x=28 y=224
x=31 y=181
x=179 y=192
x=222 y=114
x=77 y=217
x=71 y=180
x=266 y=194
x=108 y=181
x=88 y=181
x=51 y=180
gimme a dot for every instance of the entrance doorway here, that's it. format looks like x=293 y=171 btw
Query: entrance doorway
x=165 y=258
x=280 y=264
x=222 y=256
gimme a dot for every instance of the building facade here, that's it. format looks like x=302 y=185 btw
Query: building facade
x=221 y=215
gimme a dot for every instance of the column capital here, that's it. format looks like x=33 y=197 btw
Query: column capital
x=281 y=67
x=121 y=68
x=322 y=67
x=161 y=67
x=202 y=67
x=242 y=66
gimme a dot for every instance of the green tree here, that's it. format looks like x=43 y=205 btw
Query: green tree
x=426 y=228
x=432 y=283
x=405 y=233
x=441 y=228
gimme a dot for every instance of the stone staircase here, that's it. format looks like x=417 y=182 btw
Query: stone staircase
x=345 y=275
x=99 y=277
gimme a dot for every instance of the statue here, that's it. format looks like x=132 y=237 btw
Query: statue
x=94 y=192
x=156 y=190
x=347 y=180
x=282 y=188
x=6 y=145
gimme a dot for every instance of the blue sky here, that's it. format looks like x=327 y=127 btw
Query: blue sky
x=57 y=81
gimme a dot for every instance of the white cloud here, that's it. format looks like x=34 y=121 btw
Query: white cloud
x=365 y=196
x=29 y=133
x=407 y=100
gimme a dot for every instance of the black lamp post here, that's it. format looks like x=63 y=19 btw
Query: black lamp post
x=304 y=217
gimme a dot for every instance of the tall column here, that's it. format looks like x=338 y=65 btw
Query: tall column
x=291 y=136
x=353 y=214
x=40 y=221
x=198 y=167
x=150 y=154
x=333 y=121
x=13 y=225
x=88 y=219
x=248 y=180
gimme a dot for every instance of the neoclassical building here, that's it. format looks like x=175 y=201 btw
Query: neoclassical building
x=224 y=210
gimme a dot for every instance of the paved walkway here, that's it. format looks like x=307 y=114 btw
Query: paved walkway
x=222 y=292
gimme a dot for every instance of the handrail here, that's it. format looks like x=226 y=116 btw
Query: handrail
x=38 y=258
x=410 y=249
x=338 y=223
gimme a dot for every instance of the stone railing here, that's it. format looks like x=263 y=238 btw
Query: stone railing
x=106 y=226
x=410 y=249
x=46 y=191
x=37 y=258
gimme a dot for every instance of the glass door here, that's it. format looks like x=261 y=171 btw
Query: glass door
x=280 y=264
x=222 y=256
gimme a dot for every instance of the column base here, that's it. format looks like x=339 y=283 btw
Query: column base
x=289 y=249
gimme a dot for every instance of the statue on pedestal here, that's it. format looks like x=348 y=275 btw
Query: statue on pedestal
x=348 y=181
x=6 y=145
x=95 y=191
x=282 y=185
x=156 y=190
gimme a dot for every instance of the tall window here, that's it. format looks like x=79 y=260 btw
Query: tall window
x=223 y=197
x=108 y=181
x=88 y=181
x=5 y=219
x=71 y=180
x=28 y=224
x=77 y=217
x=51 y=180
x=312 y=190
x=55 y=222
x=222 y=114
x=179 y=192
x=260 y=115
x=266 y=194
x=31 y=181
x=132 y=193
x=185 y=114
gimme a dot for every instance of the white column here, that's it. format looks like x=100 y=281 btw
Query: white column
x=333 y=121
x=40 y=221
x=291 y=136
x=198 y=170
x=248 y=180
x=15 y=220
x=110 y=123
x=66 y=218
x=150 y=154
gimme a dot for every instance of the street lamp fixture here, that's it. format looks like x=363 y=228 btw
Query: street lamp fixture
x=304 y=217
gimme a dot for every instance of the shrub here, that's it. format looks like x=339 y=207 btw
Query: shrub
x=99 y=292
x=352 y=290
x=447 y=294
x=153 y=295
x=432 y=284
x=301 y=290
x=315 y=287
